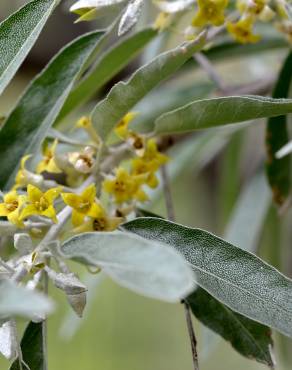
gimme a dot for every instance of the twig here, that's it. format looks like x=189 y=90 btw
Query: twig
x=205 y=63
x=171 y=217
x=192 y=335
x=45 y=327
x=6 y=266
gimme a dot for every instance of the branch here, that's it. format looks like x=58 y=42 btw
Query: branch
x=171 y=217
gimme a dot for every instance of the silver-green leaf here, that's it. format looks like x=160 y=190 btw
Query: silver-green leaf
x=149 y=268
x=235 y=277
x=30 y=120
x=19 y=301
x=215 y=112
x=18 y=34
x=125 y=95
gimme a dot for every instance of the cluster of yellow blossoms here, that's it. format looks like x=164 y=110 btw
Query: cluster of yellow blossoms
x=122 y=187
x=239 y=22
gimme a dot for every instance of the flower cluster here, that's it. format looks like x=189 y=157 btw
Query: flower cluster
x=58 y=180
x=239 y=20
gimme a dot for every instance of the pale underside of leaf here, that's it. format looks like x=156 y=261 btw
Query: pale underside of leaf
x=87 y=4
x=148 y=268
x=173 y=6
x=131 y=16
x=19 y=301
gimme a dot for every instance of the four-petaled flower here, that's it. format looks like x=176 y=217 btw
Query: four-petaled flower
x=149 y=163
x=83 y=205
x=11 y=207
x=242 y=30
x=39 y=203
x=125 y=187
x=48 y=162
x=210 y=12
x=100 y=222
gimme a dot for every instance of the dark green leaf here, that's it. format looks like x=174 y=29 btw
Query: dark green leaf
x=108 y=65
x=251 y=339
x=278 y=170
x=18 y=34
x=125 y=95
x=235 y=277
x=36 y=111
x=32 y=348
x=144 y=213
x=215 y=112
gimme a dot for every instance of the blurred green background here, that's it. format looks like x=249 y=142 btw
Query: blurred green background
x=121 y=330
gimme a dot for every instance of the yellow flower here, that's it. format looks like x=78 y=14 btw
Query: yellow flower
x=210 y=12
x=125 y=187
x=153 y=155
x=100 y=222
x=139 y=167
x=149 y=163
x=11 y=206
x=24 y=177
x=39 y=203
x=257 y=8
x=83 y=205
x=242 y=30
x=121 y=129
x=86 y=124
x=48 y=163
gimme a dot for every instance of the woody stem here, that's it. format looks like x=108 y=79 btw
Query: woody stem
x=171 y=217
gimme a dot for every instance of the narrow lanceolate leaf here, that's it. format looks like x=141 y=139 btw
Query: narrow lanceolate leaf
x=246 y=216
x=30 y=120
x=278 y=170
x=19 y=301
x=125 y=95
x=148 y=268
x=109 y=64
x=249 y=338
x=18 y=34
x=235 y=277
x=131 y=16
x=31 y=348
x=215 y=112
